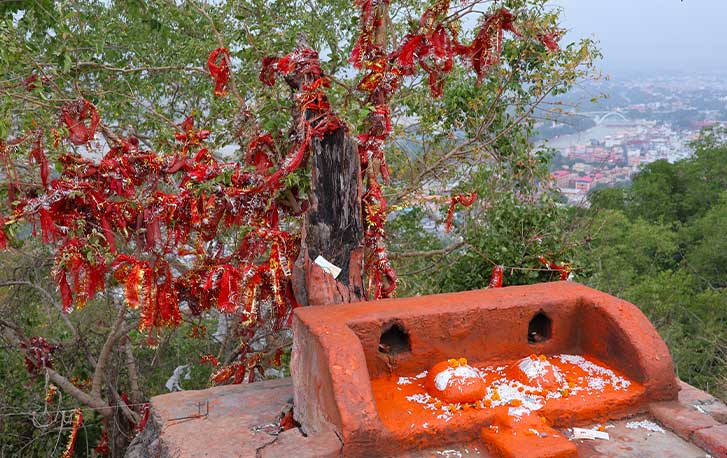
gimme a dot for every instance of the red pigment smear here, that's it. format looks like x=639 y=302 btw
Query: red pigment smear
x=586 y=389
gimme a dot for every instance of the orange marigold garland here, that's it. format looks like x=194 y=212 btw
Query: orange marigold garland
x=50 y=393
x=77 y=422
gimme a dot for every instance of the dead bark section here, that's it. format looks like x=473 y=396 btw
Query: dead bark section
x=333 y=225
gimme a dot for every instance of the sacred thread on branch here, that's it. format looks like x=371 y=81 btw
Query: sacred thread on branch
x=149 y=218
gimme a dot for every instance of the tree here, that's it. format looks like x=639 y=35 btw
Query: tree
x=660 y=244
x=175 y=184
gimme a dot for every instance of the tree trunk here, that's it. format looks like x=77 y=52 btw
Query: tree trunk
x=333 y=225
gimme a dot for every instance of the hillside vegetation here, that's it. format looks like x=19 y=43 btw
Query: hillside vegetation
x=662 y=244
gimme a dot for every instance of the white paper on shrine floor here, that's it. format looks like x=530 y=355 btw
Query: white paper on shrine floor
x=327 y=266
x=591 y=434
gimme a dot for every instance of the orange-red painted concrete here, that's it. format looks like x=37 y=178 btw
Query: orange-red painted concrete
x=347 y=377
x=527 y=437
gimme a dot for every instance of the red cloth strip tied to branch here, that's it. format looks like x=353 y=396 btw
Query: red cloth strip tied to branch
x=131 y=211
x=258 y=153
x=379 y=82
x=366 y=49
x=86 y=268
x=77 y=422
x=550 y=40
x=226 y=279
x=303 y=63
x=496 y=277
x=102 y=447
x=564 y=269
x=81 y=119
x=211 y=359
x=466 y=200
x=302 y=70
x=146 y=410
x=241 y=371
x=39 y=355
x=381 y=277
x=3 y=237
x=151 y=288
x=218 y=64
x=433 y=47
x=485 y=50
x=38 y=155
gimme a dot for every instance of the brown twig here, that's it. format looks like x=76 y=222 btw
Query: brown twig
x=429 y=253
x=140 y=69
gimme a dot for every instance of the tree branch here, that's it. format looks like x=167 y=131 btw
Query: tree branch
x=103 y=357
x=140 y=69
x=94 y=402
x=111 y=138
x=50 y=299
x=13 y=334
x=130 y=415
x=136 y=395
x=428 y=254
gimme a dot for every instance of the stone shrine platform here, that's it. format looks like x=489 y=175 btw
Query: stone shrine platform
x=242 y=423
x=553 y=370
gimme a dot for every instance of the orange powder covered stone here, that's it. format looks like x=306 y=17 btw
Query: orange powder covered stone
x=537 y=371
x=455 y=383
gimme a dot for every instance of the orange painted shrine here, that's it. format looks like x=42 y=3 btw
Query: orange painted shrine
x=502 y=367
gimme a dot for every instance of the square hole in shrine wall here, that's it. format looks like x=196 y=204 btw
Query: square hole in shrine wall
x=540 y=328
x=394 y=339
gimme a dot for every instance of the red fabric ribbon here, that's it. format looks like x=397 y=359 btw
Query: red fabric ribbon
x=218 y=64
x=496 y=277
x=102 y=448
x=81 y=119
x=466 y=200
x=564 y=269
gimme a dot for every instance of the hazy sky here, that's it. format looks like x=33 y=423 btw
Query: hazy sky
x=652 y=36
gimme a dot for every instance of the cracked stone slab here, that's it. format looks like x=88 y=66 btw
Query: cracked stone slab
x=240 y=420
x=637 y=442
x=292 y=443
x=702 y=402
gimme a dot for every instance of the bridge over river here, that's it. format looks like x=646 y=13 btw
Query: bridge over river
x=599 y=117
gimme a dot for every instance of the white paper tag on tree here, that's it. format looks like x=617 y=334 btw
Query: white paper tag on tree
x=326 y=265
